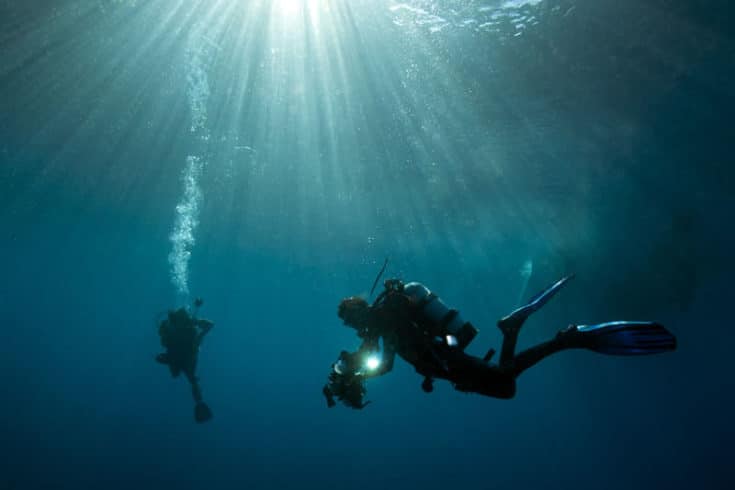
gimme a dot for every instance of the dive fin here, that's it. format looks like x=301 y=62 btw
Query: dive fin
x=202 y=413
x=626 y=338
x=540 y=299
x=519 y=315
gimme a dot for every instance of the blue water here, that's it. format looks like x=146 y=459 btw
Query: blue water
x=268 y=155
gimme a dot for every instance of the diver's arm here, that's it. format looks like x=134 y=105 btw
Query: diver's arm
x=369 y=344
x=389 y=355
x=205 y=325
x=386 y=363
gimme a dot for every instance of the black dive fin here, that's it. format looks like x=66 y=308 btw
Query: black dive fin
x=518 y=316
x=202 y=413
x=625 y=338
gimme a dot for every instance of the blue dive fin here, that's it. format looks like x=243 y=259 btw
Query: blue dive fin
x=540 y=299
x=518 y=316
x=627 y=338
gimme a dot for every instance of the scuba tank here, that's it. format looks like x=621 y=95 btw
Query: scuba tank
x=443 y=322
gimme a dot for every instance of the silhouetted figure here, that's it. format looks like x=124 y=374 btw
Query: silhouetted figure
x=182 y=334
x=414 y=323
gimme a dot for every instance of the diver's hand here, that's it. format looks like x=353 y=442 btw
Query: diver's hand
x=205 y=324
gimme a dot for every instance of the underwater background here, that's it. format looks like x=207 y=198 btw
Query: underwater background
x=268 y=155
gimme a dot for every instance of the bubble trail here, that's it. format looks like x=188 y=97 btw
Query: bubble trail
x=187 y=210
x=187 y=219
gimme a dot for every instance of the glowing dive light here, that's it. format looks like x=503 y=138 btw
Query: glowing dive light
x=372 y=363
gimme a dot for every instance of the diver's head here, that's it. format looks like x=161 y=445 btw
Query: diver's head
x=354 y=312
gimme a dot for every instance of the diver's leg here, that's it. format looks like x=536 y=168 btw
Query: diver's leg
x=531 y=356
x=511 y=324
x=196 y=390
x=510 y=327
x=507 y=351
x=202 y=412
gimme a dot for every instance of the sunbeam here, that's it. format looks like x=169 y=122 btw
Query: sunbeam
x=239 y=170
x=315 y=121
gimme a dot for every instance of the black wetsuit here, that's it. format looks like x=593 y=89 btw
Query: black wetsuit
x=395 y=319
x=182 y=336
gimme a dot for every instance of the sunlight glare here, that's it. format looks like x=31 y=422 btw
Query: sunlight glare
x=294 y=8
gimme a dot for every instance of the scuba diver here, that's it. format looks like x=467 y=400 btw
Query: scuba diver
x=182 y=334
x=415 y=324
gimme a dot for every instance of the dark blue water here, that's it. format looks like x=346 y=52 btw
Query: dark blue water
x=487 y=147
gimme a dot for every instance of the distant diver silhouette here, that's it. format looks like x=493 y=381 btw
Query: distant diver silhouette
x=182 y=334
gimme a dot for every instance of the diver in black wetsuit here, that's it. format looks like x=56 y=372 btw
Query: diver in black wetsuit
x=415 y=324
x=182 y=334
